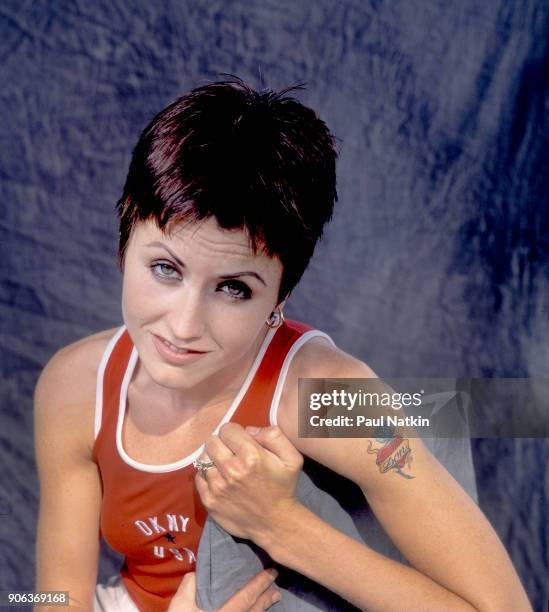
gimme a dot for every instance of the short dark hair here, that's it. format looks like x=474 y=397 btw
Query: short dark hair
x=257 y=161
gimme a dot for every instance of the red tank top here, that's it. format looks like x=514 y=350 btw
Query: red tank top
x=152 y=514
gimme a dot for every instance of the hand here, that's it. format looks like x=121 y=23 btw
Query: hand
x=256 y=596
x=253 y=482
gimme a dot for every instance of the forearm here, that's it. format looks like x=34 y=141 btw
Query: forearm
x=370 y=581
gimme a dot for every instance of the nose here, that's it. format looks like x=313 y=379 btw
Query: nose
x=188 y=317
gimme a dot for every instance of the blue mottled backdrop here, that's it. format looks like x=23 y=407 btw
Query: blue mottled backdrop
x=436 y=263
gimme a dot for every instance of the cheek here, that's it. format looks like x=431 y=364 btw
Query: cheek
x=137 y=293
x=236 y=329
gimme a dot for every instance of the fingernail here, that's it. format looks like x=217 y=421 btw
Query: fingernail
x=272 y=572
x=276 y=597
x=252 y=429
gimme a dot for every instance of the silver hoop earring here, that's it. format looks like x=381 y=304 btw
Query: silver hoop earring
x=276 y=319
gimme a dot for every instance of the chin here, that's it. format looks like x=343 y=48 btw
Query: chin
x=176 y=380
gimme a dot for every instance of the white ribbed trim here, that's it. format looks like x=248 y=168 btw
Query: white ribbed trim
x=170 y=467
x=99 y=380
x=313 y=333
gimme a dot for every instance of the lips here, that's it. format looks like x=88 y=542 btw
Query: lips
x=175 y=357
x=176 y=348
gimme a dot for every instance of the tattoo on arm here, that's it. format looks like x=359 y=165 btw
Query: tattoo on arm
x=392 y=453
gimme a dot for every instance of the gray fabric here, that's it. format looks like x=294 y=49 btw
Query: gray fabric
x=225 y=564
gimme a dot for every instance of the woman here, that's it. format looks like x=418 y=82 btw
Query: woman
x=227 y=194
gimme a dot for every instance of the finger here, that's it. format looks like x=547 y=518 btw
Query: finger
x=204 y=457
x=219 y=452
x=271 y=596
x=273 y=439
x=203 y=490
x=201 y=484
x=249 y=594
x=236 y=438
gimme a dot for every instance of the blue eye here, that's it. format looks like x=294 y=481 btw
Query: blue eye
x=158 y=267
x=236 y=290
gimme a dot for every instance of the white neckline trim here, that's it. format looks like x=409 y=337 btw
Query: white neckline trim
x=313 y=333
x=170 y=467
x=100 y=378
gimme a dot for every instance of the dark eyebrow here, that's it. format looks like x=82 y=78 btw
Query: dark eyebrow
x=224 y=276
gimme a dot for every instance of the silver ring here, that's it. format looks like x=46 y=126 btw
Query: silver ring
x=203 y=465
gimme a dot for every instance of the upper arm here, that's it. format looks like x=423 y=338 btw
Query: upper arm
x=70 y=489
x=429 y=517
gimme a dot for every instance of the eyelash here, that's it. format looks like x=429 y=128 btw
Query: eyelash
x=242 y=287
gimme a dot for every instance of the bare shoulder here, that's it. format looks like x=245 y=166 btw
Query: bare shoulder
x=74 y=367
x=319 y=358
x=64 y=396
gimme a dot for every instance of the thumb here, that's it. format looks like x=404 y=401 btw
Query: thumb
x=273 y=439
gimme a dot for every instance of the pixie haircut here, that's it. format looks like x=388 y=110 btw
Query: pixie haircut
x=255 y=161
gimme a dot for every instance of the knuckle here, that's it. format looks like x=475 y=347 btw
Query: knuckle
x=250 y=459
x=274 y=431
x=233 y=472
